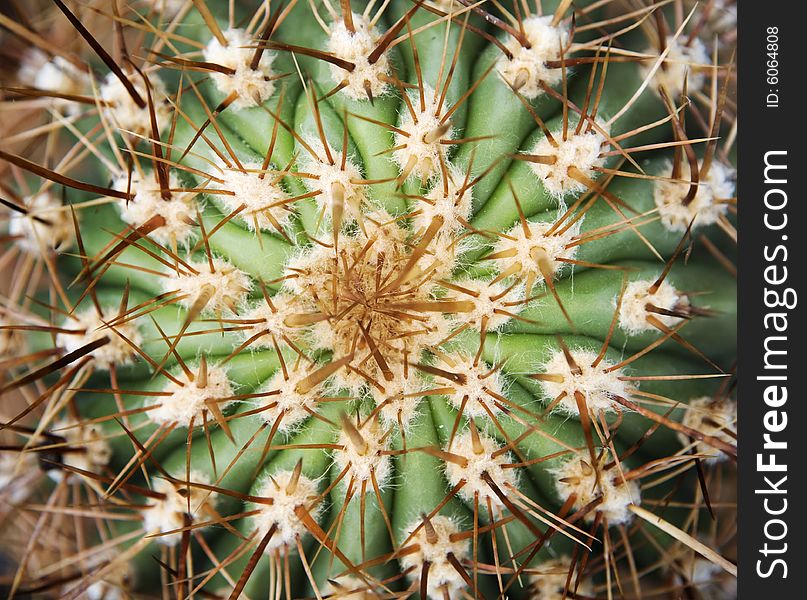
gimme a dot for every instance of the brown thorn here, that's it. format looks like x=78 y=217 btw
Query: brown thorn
x=102 y=54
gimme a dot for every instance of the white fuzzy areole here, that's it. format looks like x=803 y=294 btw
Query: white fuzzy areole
x=364 y=462
x=633 y=314
x=188 y=402
x=355 y=47
x=549 y=582
x=168 y=9
x=709 y=579
x=581 y=150
x=415 y=144
x=400 y=398
x=112 y=577
x=309 y=269
x=54 y=75
x=445 y=5
x=47 y=225
x=281 y=513
x=89 y=326
x=226 y=284
x=263 y=197
x=389 y=236
x=13 y=342
x=478 y=464
x=287 y=403
x=118 y=582
x=597 y=386
x=435 y=330
x=167 y=514
x=527 y=70
x=346 y=587
x=722 y=19
x=715 y=417
x=93 y=450
x=487 y=300
x=577 y=476
x=343 y=292
x=441 y=573
x=124 y=113
x=443 y=256
x=448 y=200
x=708 y=205
x=19 y=475
x=683 y=62
x=269 y=322
x=179 y=212
x=537 y=246
x=326 y=336
x=474 y=386
x=109 y=590
x=253 y=86
x=413 y=338
x=336 y=186
x=450 y=243
x=317 y=274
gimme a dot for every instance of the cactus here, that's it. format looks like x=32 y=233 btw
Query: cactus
x=386 y=299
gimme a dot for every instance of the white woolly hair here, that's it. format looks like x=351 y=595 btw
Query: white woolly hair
x=117 y=585
x=444 y=254
x=124 y=113
x=308 y=267
x=336 y=186
x=399 y=400
x=420 y=147
x=56 y=74
x=477 y=464
x=263 y=197
x=166 y=515
x=188 y=401
x=11 y=340
x=448 y=200
x=113 y=577
x=577 y=476
x=539 y=245
x=473 y=388
x=287 y=402
x=715 y=417
x=688 y=62
x=708 y=205
x=368 y=461
x=488 y=299
x=355 y=47
x=253 y=86
x=168 y=8
x=19 y=475
x=579 y=150
x=268 y=322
